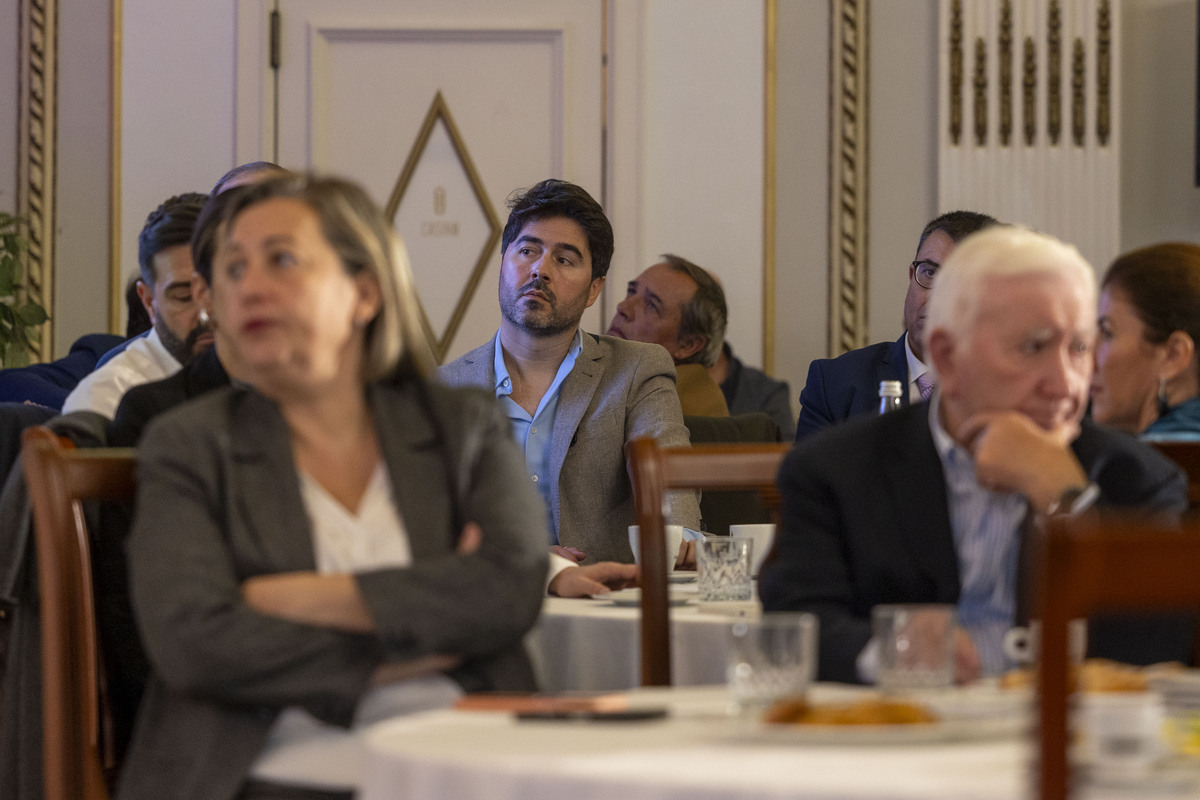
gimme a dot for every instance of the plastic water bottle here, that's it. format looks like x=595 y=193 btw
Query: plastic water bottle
x=889 y=395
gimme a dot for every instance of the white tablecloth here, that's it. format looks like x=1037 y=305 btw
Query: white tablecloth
x=582 y=644
x=696 y=754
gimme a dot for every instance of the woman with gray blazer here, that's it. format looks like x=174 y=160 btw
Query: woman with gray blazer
x=332 y=539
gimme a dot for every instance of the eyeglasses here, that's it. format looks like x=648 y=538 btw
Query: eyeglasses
x=924 y=272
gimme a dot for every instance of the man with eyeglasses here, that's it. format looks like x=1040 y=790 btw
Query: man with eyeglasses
x=839 y=388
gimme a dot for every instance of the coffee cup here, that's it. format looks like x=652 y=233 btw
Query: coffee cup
x=674 y=538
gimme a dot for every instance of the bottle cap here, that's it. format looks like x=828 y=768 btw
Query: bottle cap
x=891 y=389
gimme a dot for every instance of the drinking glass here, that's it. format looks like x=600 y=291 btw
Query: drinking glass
x=724 y=565
x=916 y=645
x=771 y=658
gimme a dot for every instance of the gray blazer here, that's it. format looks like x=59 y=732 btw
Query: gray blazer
x=617 y=392
x=219 y=502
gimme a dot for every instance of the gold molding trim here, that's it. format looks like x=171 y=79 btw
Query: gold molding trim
x=956 y=71
x=1103 y=73
x=770 y=88
x=1054 y=72
x=1029 y=92
x=1006 y=73
x=849 y=45
x=116 y=289
x=439 y=111
x=980 y=84
x=36 y=139
x=1078 y=123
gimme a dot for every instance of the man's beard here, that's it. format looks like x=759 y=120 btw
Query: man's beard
x=183 y=350
x=552 y=322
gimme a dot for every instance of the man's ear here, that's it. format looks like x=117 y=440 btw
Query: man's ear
x=145 y=293
x=594 y=290
x=688 y=346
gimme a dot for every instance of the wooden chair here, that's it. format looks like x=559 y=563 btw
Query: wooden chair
x=721 y=509
x=76 y=746
x=655 y=471
x=1095 y=564
x=1187 y=456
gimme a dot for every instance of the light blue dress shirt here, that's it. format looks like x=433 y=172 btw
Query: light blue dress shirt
x=535 y=433
x=986 y=528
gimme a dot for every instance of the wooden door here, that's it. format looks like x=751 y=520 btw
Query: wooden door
x=440 y=108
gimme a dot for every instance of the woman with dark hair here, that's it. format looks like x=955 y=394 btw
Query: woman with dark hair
x=1147 y=379
x=332 y=539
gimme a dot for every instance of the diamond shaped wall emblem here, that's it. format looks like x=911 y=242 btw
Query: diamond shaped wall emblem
x=440 y=209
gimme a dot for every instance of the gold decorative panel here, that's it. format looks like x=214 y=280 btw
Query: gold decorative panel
x=956 y=70
x=1054 y=74
x=1042 y=119
x=36 y=138
x=1063 y=44
x=848 y=177
x=441 y=210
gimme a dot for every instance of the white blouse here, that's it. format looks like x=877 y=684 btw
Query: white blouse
x=301 y=750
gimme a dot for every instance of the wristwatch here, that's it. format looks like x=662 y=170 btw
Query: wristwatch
x=1074 y=500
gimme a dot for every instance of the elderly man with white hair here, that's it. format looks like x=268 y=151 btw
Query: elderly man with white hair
x=928 y=504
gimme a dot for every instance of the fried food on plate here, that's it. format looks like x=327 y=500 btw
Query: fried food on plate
x=1098 y=675
x=873 y=711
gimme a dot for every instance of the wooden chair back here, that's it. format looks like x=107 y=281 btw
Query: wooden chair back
x=720 y=509
x=1091 y=565
x=74 y=714
x=655 y=471
x=1187 y=456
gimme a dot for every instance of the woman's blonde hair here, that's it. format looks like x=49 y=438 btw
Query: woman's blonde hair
x=395 y=342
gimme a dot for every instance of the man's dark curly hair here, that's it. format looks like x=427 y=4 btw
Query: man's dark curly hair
x=555 y=198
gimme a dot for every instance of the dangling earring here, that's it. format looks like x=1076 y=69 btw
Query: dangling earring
x=1163 y=405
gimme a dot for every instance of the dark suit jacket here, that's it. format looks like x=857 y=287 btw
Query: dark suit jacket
x=143 y=403
x=49 y=384
x=748 y=390
x=219 y=501
x=843 y=387
x=865 y=521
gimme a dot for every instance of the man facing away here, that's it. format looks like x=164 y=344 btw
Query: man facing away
x=168 y=290
x=929 y=504
x=839 y=388
x=678 y=305
x=574 y=399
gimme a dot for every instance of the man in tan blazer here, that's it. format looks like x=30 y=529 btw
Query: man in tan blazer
x=574 y=398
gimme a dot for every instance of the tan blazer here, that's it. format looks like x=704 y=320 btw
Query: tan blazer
x=617 y=392
x=699 y=394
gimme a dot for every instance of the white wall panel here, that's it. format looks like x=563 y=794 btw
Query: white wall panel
x=178 y=100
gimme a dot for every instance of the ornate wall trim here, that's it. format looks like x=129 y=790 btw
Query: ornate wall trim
x=116 y=289
x=770 y=133
x=36 y=142
x=848 y=175
x=1066 y=143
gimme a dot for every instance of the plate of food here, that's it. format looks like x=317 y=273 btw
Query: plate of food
x=1099 y=676
x=877 y=720
x=632 y=598
x=682 y=576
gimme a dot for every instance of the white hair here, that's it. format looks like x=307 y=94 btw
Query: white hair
x=997 y=252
